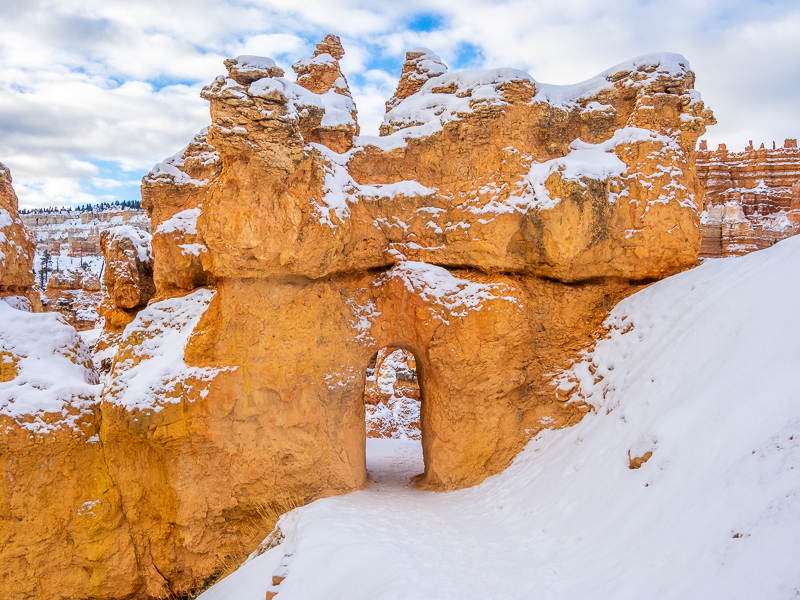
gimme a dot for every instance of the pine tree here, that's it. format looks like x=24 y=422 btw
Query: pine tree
x=45 y=269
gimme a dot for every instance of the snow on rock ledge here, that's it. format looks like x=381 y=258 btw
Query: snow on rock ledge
x=149 y=370
x=47 y=381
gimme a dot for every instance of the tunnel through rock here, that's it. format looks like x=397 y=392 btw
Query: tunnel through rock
x=392 y=396
x=392 y=404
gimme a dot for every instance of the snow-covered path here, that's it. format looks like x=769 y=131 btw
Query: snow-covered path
x=702 y=370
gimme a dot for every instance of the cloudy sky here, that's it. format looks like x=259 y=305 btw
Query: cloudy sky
x=93 y=93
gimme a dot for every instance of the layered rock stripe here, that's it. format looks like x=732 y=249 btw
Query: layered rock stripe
x=752 y=197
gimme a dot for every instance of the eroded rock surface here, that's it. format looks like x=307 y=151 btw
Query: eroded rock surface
x=76 y=294
x=750 y=203
x=62 y=531
x=128 y=274
x=488 y=231
x=17 y=246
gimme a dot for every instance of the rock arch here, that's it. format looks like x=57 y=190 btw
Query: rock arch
x=488 y=230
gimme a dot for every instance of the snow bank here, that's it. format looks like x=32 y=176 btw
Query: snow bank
x=54 y=374
x=150 y=365
x=701 y=370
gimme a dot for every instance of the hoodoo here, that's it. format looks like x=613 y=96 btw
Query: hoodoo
x=750 y=203
x=487 y=231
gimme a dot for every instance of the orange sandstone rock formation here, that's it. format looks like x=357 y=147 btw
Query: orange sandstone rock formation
x=17 y=248
x=487 y=231
x=749 y=200
x=128 y=274
x=76 y=295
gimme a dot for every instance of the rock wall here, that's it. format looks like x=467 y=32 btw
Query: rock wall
x=749 y=200
x=488 y=231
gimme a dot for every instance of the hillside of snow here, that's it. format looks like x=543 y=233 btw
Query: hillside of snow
x=702 y=370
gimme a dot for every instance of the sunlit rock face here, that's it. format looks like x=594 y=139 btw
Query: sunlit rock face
x=487 y=232
x=752 y=198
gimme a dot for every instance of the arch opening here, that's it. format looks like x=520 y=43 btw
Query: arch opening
x=392 y=407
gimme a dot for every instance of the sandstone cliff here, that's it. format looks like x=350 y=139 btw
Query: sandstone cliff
x=487 y=232
x=749 y=203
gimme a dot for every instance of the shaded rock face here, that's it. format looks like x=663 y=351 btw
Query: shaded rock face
x=750 y=203
x=17 y=245
x=487 y=232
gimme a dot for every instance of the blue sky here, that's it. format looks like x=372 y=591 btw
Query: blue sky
x=93 y=93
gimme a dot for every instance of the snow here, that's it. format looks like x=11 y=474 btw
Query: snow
x=192 y=249
x=247 y=62
x=439 y=286
x=169 y=170
x=141 y=240
x=338 y=107
x=649 y=67
x=317 y=61
x=584 y=161
x=54 y=372
x=18 y=302
x=701 y=369
x=340 y=189
x=5 y=219
x=184 y=222
x=426 y=112
x=428 y=65
x=150 y=365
